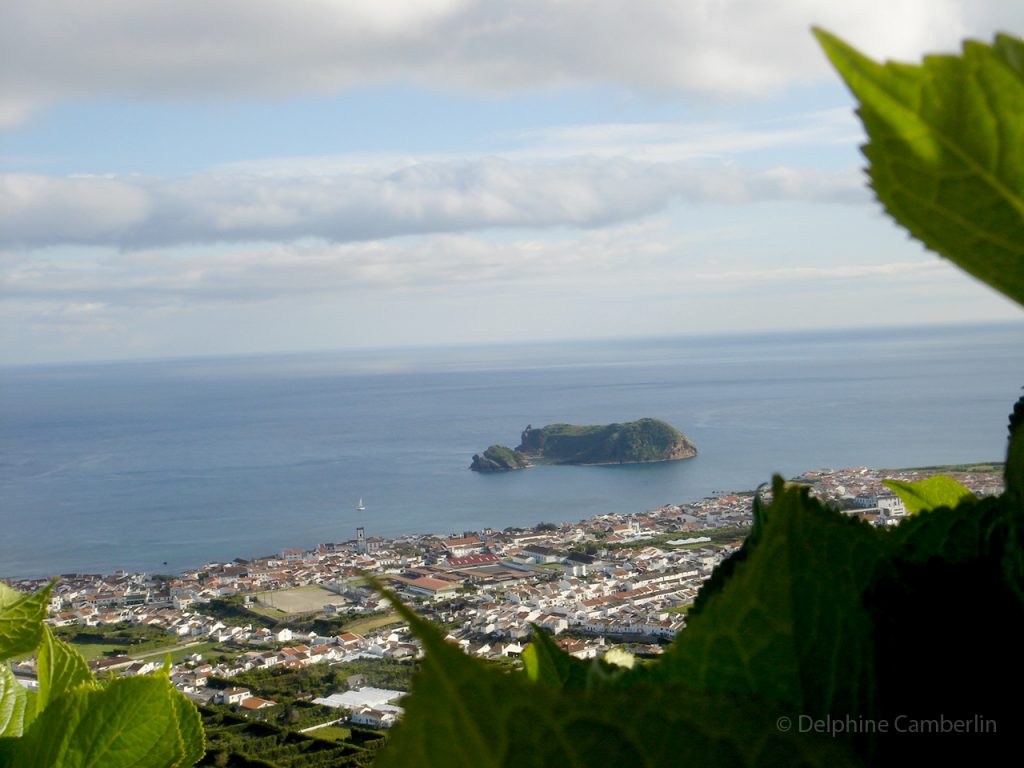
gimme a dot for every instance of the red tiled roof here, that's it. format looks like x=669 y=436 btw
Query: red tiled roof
x=426 y=582
x=463 y=541
x=255 y=702
x=480 y=559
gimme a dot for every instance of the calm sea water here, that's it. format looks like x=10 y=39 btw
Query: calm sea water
x=134 y=465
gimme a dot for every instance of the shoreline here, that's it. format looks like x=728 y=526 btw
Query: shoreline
x=830 y=483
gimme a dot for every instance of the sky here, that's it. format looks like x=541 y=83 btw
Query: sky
x=211 y=177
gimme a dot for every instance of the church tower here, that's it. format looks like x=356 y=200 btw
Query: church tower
x=360 y=533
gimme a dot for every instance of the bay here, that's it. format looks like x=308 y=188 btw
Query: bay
x=164 y=465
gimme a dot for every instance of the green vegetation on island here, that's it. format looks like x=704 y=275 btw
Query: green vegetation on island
x=499 y=458
x=633 y=442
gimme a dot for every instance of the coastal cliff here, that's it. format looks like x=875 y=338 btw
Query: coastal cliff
x=499 y=458
x=634 y=442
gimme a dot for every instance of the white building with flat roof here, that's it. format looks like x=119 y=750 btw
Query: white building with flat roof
x=368 y=696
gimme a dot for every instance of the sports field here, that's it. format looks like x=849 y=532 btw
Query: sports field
x=297 y=600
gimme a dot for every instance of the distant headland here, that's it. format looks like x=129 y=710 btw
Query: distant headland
x=633 y=442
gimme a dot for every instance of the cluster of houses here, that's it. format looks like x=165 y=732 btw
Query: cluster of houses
x=609 y=579
x=629 y=594
x=860 y=491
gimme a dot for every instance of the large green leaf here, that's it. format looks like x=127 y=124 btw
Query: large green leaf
x=190 y=728
x=1014 y=469
x=954 y=534
x=947 y=601
x=1011 y=51
x=934 y=492
x=21 y=617
x=946 y=151
x=463 y=713
x=60 y=668
x=13 y=704
x=1006 y=539
x=789 y=625
x=721 y=575
x=130 y=722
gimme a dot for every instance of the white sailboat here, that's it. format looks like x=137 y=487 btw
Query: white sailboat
x=360 y=507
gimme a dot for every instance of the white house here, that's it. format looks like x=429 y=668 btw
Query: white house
x=373 y=718
x=233 y=695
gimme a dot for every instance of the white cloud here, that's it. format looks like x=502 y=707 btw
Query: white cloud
x=454 y=196
x=102 y=278
x=649 y=276
x=644 y=142
x=70 y=208
x=66 y=50
x=902 y=270
x=674 y=142
x=651 y=257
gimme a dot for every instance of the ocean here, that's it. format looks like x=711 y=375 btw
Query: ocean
x=163 y=465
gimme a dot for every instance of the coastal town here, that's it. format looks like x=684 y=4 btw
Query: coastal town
x=619 y=580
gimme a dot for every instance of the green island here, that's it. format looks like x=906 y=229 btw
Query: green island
x=633 y=442
x=499 y=458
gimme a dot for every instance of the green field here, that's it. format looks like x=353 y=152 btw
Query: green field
x=90 y=651
x=116 y=639
x=181 y=653
x=362 y=626
x=977 y=469
x=264 y=610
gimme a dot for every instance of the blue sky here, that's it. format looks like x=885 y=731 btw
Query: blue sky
x=192 y=178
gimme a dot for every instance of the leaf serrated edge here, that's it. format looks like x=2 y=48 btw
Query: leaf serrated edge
x=437 y=649
x=850 y=64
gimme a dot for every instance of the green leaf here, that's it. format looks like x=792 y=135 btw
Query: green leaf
x=789 y=625
x=21 y=617
x=1011 y=51
x=925 y=495
x=989 y=530
x=190 y=728
x=60 y=668
x=463 y=713
x=946 y=151
x=547 y=664
x=1014 y=469
x=1008 y=543
x=954 y=534
x=7 y=750
x=130 y=722
x=947 y=600
x=544 y=662
x=13 y=703
x=721 y=575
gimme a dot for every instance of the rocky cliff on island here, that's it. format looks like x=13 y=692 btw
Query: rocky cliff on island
x=498 y=458
x=634 y=442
